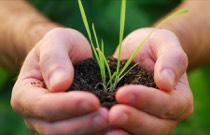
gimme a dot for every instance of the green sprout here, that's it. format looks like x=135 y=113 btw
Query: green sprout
x=98 y=48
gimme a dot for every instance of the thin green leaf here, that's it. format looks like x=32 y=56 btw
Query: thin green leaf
x=105 y=62
x=122 y=24
x=85 y=21
x=121 y=77
x=172 y=16
x=101 y=59
x=102 y=66
x=111 y=79
x=102 y=46
x=95 y=35
x=84 y=18
x=147 y=37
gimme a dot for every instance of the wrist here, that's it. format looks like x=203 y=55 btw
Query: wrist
x=185 y=34
x=192 y=31
x=34 y=33
x=25 y=38
x=21 y=28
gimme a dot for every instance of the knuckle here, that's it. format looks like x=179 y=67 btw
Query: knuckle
x=189 y=109
x=182 y=57
x=28 y=124
x=55 y=32
x=13 y=104
x=38 y=127
x=63 y=33
x=169 y=115
x=189 y=112
x=41 y=110
x=167 y=129
x=185 y=59
x=47 y=131
x=53 y=37
x=174 y=111
x=17 y=104
x=165 y=32
x=179 y=110
x=44 y=130
x=182 y=63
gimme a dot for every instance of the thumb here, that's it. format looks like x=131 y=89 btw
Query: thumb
x=59 y=50
x=171 y=64
x=57 y=69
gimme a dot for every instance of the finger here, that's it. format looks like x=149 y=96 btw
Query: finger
x=32 y=101
x=117 y=132
x=171 y=60
x=92 y=123
x=58 y=50
x=138 y=122
x=175 y=105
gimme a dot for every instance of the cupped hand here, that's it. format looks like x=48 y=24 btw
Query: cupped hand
x=144 y=110
x=51 y=110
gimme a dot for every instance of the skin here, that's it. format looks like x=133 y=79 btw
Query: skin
x=139 y=111
x=52 y=111
x=192 y=31
x=17 y=40
x=145 y=101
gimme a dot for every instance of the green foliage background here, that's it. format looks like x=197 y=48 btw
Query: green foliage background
x=105 y=15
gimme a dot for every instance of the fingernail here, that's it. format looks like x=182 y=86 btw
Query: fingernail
x=169 y=76
x=123 y=118
x=56 y=77
x=126 y=97
x=101 y=119
x=131 y=99
x=84 y=107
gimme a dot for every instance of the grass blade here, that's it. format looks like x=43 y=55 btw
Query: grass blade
x=95 y=35
x=102 y=66
x=85 y=21
x=122 y=24
x=172 y=16
x=102 y=47
x=110 y=82
x=84 y=18
x=105 y=62
x=147 y=37
x=122 y=76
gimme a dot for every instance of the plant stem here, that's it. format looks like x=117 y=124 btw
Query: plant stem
x=122 y=25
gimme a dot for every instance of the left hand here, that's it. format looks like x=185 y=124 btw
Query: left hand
x=145 y=110
x=51 y=110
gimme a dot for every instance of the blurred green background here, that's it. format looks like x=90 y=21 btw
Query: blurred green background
x=105 y=15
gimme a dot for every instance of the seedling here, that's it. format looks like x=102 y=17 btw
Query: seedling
x=98 y=48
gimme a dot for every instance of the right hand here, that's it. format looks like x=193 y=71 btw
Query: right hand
x=51 y=110
x=145 y=110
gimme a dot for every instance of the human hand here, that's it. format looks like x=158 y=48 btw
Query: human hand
x=52 y=110
x=144 y=110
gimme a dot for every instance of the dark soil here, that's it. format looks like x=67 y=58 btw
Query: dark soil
x=87 y=78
